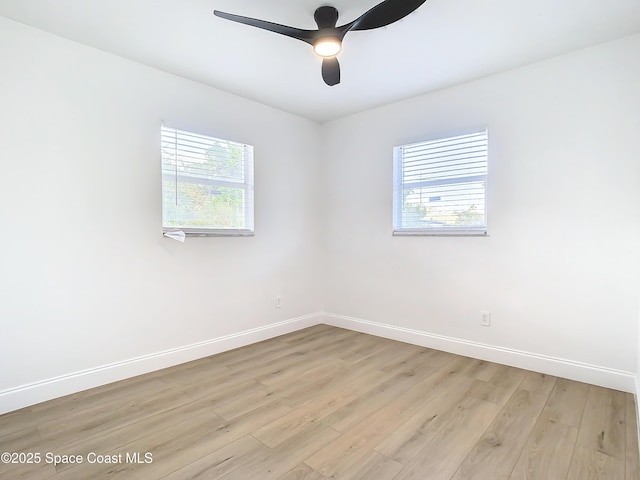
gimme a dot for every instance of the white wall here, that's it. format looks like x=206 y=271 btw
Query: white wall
x=87 y=278
x=558 y=271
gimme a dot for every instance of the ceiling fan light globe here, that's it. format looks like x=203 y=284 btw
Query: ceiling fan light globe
x=327 y=47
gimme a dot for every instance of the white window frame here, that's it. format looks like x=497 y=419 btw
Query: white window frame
x=399 y=188
x=247 y=186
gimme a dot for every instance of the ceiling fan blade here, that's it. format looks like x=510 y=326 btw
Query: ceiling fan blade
x=383 y=14
x=331 y=71
x=297 y=33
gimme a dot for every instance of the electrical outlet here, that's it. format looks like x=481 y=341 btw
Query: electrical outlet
x=278 y=301
x=485 y=318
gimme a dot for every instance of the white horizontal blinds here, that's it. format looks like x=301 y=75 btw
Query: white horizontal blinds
x=441 y=184
x=207 y=183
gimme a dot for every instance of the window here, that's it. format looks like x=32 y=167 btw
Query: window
x=439 y=186
x=207 y=184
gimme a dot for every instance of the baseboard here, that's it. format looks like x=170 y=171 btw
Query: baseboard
x=635 y=396
x=559 y=367
x=26 y=395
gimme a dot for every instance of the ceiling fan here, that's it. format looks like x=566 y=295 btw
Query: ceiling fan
x=327 y=39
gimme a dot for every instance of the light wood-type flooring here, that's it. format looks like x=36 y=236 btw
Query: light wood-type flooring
x=330 y=403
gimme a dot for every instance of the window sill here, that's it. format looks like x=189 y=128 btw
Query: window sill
x=426 y=233
x=213 y=233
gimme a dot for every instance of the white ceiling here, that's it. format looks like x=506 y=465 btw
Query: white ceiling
x=444 y=42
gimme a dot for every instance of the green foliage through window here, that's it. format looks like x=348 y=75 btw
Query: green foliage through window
x=207 y=183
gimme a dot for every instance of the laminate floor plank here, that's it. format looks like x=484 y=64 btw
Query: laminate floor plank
x=265 y=367
x=25 y=440
x=274 y=368
x=418 y=357
x=283 y=428
x=220 y=391
x=40 y=471
x=307 y=335
x=483 y=370
x=21 y=440
x=161 y=444
x=538 y=382
x=373 y=466
x=279 y=460
x=222 y=461
x=312 y=359
x=302 y=472
x=550 y=447
x=329 y=403
x=311 y=388
x=376 y=398
x=289 y=383
x=238 y=405
x=151 y=425
x=189 y=372
x=16 y=421
x=603 y=423
x=500 y=387
x=274 y=347
x=446 y=446
x=385 y=356
x=255 y=351
x=547 y=453
x=81 y=402
x=353 y=445
x=403 y=444
x=180 y=445
x=566 y=402
x=588 y=464
x=632 y=465
x=362 y=347
x=496 y=453
x=103 y=418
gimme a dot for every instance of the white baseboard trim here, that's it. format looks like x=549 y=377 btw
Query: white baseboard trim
x=26 y=395
x=36 y=392
x=636 y=396
x=559 y=367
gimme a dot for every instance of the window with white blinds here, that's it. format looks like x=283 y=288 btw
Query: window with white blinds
x=440 y=186
x=207 y=184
